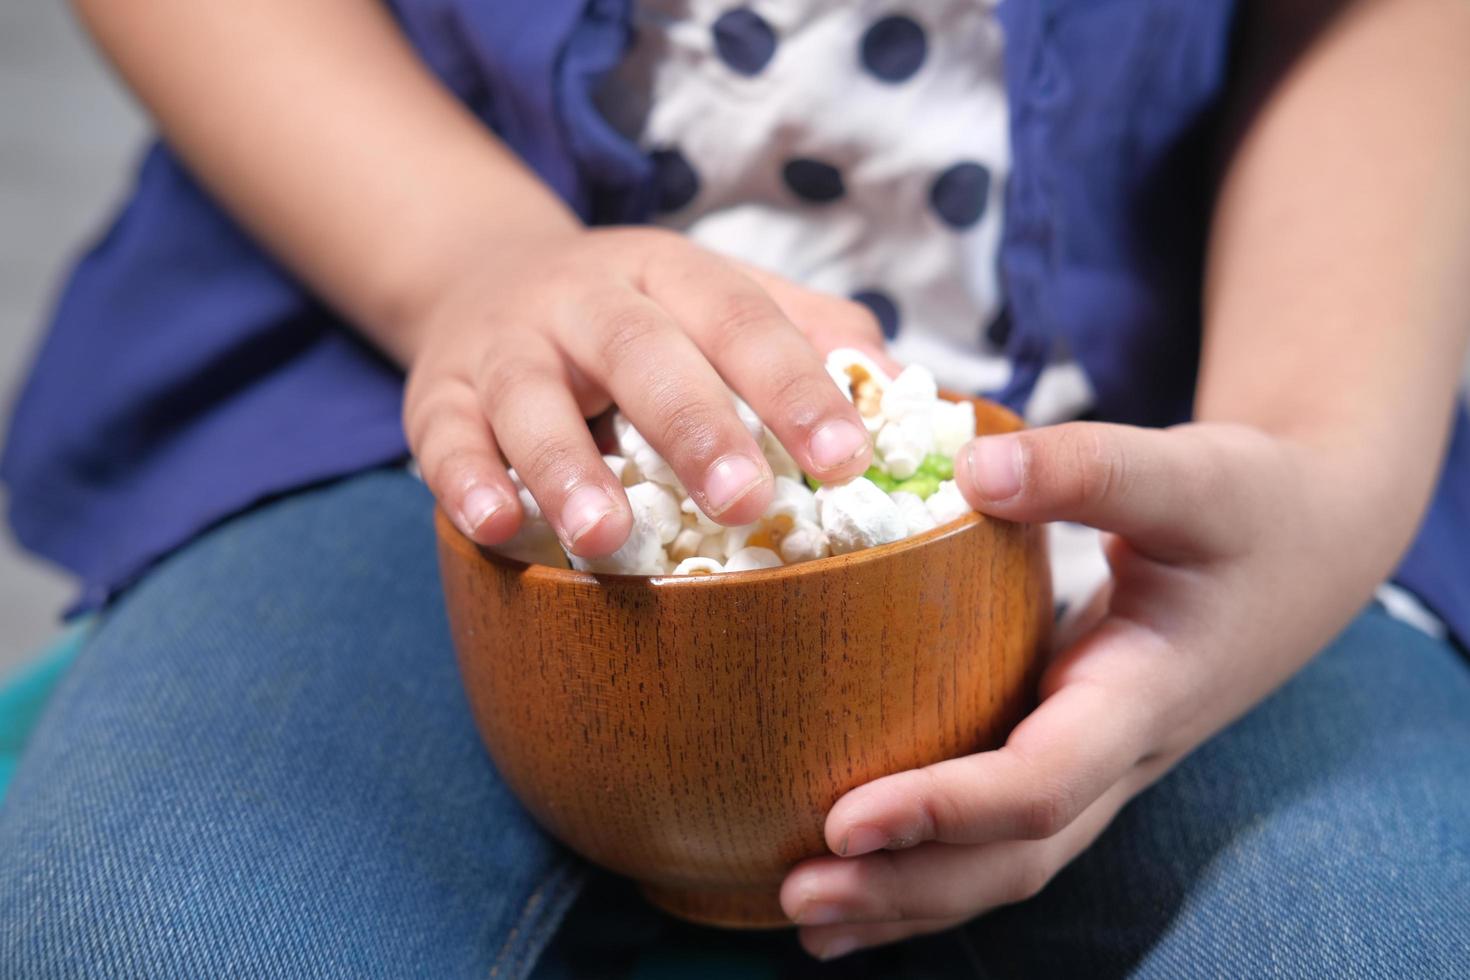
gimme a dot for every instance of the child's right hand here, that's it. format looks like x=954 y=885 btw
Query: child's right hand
x=516 y=360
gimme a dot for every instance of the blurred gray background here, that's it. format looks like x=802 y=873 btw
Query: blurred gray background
x=68 y=136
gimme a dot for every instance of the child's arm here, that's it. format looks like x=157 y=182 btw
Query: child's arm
x=315 y=124
x=1338 y=305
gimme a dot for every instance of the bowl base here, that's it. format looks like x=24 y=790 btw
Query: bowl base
x=728 y=908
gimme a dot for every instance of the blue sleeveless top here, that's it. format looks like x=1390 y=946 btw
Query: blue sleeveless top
x=187 y=376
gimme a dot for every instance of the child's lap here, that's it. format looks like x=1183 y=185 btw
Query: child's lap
x=263 y=765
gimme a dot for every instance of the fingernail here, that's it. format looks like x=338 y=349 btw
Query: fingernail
x=863 y=840
x=584 y=509
x=835 y=443
x=728 y=480
x=478 y=506
x=820 y=914
x=840 y=946
x=995 y=467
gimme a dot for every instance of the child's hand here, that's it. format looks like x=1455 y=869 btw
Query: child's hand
x=1222 y=588
x=541 y=340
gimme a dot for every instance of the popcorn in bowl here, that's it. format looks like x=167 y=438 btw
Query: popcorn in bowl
x=908 y=490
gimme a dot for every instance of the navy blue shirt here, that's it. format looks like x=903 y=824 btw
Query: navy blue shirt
x=187 y=376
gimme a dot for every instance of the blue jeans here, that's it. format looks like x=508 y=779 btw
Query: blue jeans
x=262 y=765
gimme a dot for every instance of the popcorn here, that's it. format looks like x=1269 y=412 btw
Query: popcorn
x=952 y=425
x=947 y=503
x=913 y=392
x=779 y=459
x=655 y=523
x=806 y=541
x=908 y=490
x=641 y=554
x=902 y=444
x=694 y=517
x=657 y=507
x=698 y=566
x=685 y=545
x=534 y=542
x=619 y=466
x=858 y=515
x=916 y=516
x=860 y=378
x=750 y=559
x=651 y=466
x=792 y=499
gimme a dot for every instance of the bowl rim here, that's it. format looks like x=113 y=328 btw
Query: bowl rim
x=452 y=536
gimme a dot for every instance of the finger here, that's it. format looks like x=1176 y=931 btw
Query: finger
x=828 y=322
x=672 y=395
x=459 y=460
x=765 y=358
x=1162 y=491
x=831 y=942
x=535 y=418
x=939 y=882
x=1060 y=759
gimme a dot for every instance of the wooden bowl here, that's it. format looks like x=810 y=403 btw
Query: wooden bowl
x=692 y=732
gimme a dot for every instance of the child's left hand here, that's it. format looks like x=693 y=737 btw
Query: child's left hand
x=1227 y=576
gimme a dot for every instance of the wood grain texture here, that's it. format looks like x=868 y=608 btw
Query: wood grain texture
x=692 y=733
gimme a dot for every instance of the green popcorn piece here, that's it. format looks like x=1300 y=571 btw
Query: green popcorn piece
x=813 y=482
x=920 y=483
x=937 y=465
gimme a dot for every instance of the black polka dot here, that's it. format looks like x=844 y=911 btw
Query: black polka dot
x=813 y=180
x=959 y=194
x=883 y=308
x=999 y=331
x=894 y=48
x=674 y=180
x=744 y=40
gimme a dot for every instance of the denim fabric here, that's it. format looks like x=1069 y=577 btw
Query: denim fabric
x=262 y=765
x=1326 y=834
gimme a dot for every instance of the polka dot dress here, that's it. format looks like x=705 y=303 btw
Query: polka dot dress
x=859 y=148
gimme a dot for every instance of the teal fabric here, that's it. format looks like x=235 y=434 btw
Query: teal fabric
x=24 y=694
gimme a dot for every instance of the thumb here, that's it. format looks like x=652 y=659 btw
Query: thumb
x=1157 y=488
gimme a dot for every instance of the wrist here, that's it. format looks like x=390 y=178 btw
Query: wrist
x=433 y=284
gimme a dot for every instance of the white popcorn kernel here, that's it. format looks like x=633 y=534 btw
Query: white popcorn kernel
x=804 y=542
x=655 y=506
x=750 y=559
x=641 y=554
x=953 y=425
x=632 y=445
x=819 y=496
x=685 y=544
x=735 y=538
x=619 y=466
x=913 y=391
x=792 y=499
x=749 y=419
x=534 y=542
x=712 y=546
x=779 y=459
x=915 y=512
x=903 y=444
x=700 y=519
x=858 y=515
x=698 y=566
x=947 y=503
x=859 y=377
